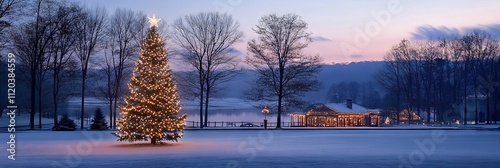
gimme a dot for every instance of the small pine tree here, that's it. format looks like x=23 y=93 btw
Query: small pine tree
x=99 y=122
x=65 y=124
x=387 y=121
x=150 y=111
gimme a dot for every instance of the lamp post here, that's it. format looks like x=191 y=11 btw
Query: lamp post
x=265 y=111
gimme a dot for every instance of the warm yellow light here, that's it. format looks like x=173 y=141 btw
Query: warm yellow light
x=153 y=104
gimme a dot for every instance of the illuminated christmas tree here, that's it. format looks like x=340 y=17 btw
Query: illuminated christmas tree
x=151 y=110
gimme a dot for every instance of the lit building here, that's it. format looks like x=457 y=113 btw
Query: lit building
x=337 y=115
x=405 y=118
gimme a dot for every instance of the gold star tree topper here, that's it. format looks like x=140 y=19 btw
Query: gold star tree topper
x=153 y=21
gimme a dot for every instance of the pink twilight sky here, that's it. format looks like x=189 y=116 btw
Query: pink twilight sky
x=342 y=30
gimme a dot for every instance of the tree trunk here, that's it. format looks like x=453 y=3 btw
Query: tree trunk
x=398 y=95
x=428 y=102
x=410 y=96
x=84 y=74
x=110 y=96
x=398 y=110
x=280 y=95
x=278 y=124
x=434 y=110
x=418 y=102
x=476 y=120
x=111 y=113
x=488 y=108
x=54 y=96
x=115 y=97
x=465 y=96
x=40 y=105
x=201 y=109
x=206 y=105
x=114 y=111
x=202 y=88
x=495 y=107
x=153 y=141
x=32 y=105
x=207 y=95
x=34 y=67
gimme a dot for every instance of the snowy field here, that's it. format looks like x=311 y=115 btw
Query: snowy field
x=262 y=148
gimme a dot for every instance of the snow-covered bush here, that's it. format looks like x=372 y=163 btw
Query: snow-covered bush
x=65 y=124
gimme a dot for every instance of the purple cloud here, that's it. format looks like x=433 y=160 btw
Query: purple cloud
x=428 y=32
x=320 y=39
x=356 y=56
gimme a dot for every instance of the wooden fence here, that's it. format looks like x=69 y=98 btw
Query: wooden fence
x=196 y=124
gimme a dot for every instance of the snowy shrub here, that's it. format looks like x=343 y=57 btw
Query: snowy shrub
x=99 y=122
x=65 y=124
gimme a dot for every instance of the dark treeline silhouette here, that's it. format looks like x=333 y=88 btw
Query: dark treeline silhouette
x=439 y=76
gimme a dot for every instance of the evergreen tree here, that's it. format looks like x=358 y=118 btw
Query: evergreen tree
x=150 y=111
x=387 y=121
x=65 y=124
x=99 y=122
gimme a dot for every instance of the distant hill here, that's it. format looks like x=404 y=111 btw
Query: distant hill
x=358 y=72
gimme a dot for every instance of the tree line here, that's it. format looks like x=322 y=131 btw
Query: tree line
x=65 y=45
x=440 y=76
x=57 y=46
x=366 y=94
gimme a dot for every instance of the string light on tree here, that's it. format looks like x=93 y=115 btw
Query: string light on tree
x=150 y=111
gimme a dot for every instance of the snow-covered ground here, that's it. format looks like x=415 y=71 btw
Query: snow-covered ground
x=262 y=148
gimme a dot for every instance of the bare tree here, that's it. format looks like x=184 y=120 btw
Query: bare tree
x=23 y=38
x=90 y=33
x=388 y=78
x=491 y=68
x=430 y=54
x=62 y=48
x=125 y=32
x=106 y=91
x=205 y=42
x=31 y=42
x=391 y=76
x=285 y=73
x=473 y=48
x=485 y=48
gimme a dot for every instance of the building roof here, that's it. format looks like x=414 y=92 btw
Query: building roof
x=342 y=107
x=323 y=108
x=335 y=108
